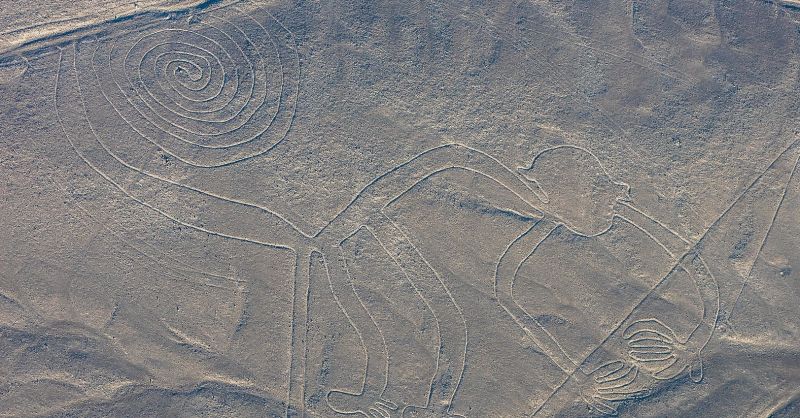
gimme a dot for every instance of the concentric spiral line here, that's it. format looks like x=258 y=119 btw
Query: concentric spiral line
x=210 y=94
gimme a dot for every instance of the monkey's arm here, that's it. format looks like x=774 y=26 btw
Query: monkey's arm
x=393 y=184
x=505 y=274
x=686 y=259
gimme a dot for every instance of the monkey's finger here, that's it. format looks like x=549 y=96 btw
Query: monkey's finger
x=651 y=335
x=648 y=348
x=375 y=413
x=674 y=368
x=619 y=375
x=624 y=396
x=601 y=406
x=648 y=342
x=696 y=370
x=650 y=357
x=621 y=381
x=386 y=404
x=651 y=326
x=607 y=369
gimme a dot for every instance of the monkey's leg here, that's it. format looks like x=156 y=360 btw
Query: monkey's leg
x=297 y=368
x=449 y=318
x=368 y=401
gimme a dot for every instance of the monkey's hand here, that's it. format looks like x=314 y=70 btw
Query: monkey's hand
x=655 y=346
x=611 y=382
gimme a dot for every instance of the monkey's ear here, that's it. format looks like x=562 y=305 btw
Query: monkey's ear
x=534 y=185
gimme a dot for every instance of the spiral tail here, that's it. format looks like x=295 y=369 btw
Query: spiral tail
x=206 y=91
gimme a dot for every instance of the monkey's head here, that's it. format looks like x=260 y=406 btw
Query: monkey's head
x=578 y=190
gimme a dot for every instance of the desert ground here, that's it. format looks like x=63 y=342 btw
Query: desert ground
x=384 y=209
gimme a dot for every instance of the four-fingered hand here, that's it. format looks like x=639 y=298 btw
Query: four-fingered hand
x=655 y=345
x=611 y=382
x=370 y=406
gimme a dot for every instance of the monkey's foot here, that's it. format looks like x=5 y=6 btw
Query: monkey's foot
x=420 y=412
x=364 y=403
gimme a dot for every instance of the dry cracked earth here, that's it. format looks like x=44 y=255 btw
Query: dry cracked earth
x=385 y=209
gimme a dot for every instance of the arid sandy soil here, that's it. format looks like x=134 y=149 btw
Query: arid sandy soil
x=399 y=208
